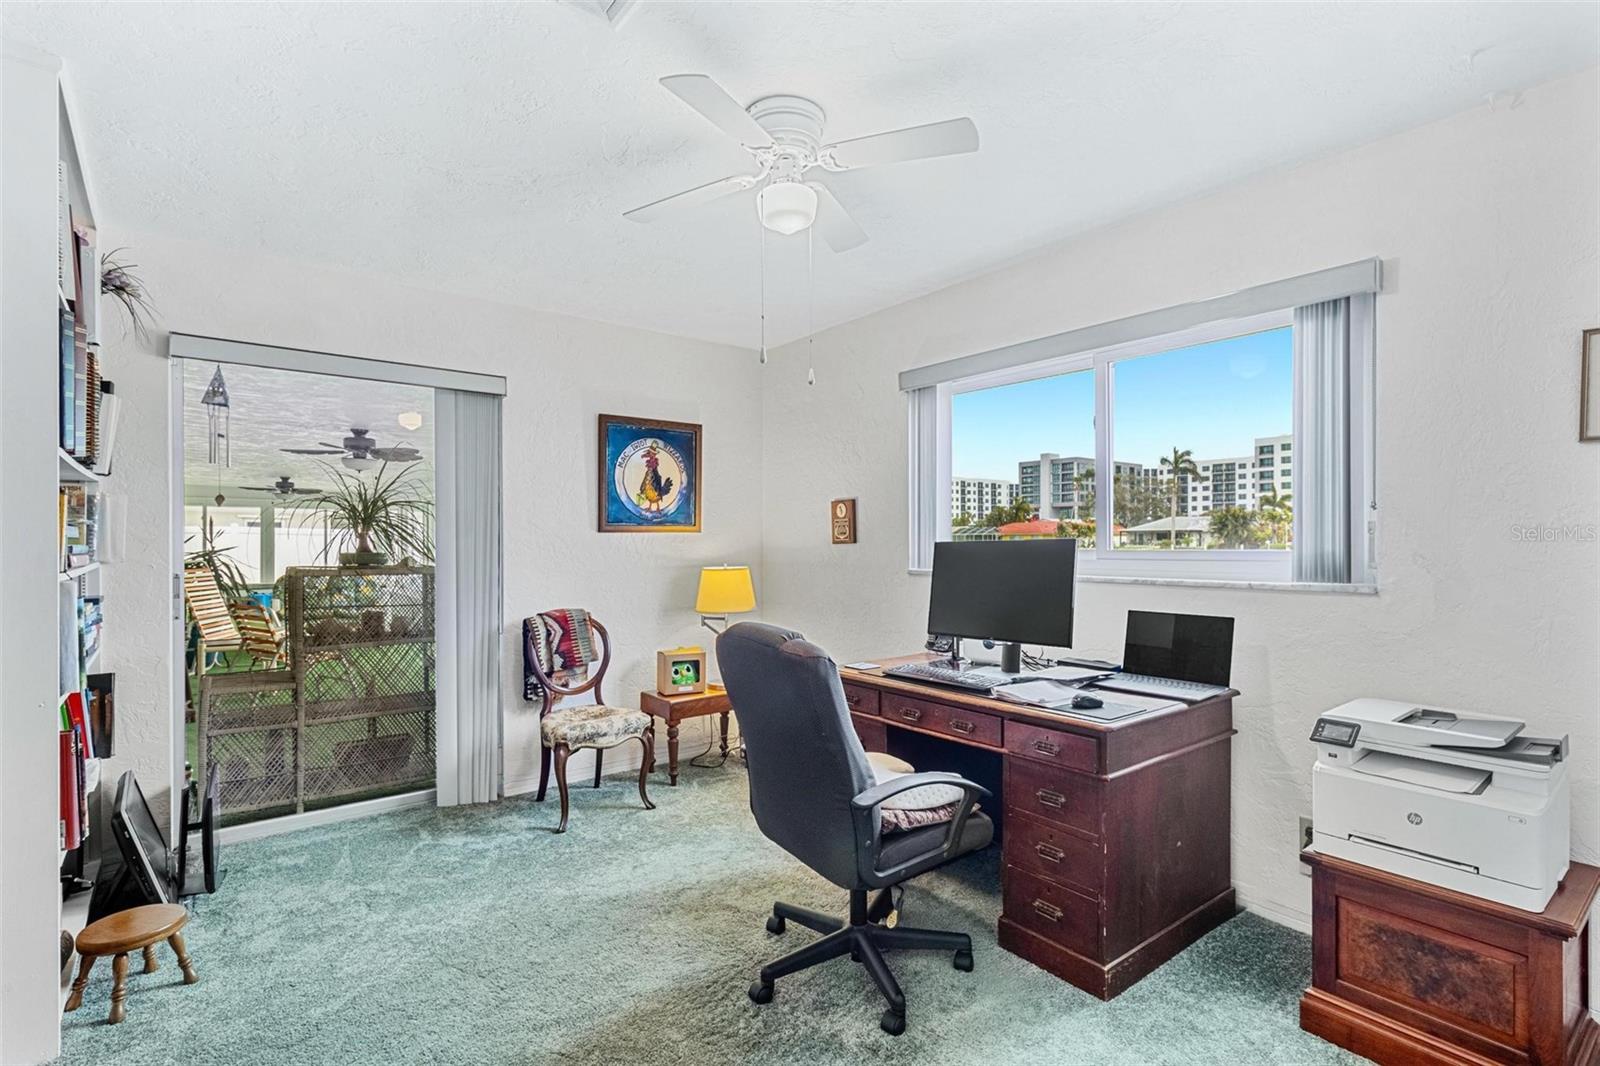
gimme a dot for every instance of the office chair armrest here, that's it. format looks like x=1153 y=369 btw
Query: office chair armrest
x=906 y=782
x=868 y=828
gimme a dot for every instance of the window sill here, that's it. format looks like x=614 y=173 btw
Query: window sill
x=1219 y=583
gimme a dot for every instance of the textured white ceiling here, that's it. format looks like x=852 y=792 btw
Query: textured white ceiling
x=275 y=409
x=492 y=148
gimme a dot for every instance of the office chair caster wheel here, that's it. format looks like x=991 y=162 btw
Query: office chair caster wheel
x=963 y=961
x=776 y=925
x=892 y=1023
x=760 y=993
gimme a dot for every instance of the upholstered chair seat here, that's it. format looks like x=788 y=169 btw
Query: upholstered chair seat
x=595 y=726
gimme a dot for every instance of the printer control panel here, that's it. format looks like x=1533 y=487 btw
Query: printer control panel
x=1336 y=732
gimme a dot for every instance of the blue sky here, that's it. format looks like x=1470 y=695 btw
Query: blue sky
x=1213 y=399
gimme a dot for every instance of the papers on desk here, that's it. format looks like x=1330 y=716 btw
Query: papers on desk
x=1054 y=695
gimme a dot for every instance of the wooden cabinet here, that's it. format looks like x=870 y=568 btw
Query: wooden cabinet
x=1406 y=972
x=1114 y=836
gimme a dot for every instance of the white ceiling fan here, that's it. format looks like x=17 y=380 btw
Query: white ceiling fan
x=783 y=135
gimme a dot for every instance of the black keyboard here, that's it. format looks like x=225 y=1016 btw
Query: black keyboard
x=928 y=673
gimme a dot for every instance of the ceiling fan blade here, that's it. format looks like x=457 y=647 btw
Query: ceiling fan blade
x=313 y=451
x=718 y=108
x=701 y=194
x=834 y=222
x=952 y=137
x=334 y=447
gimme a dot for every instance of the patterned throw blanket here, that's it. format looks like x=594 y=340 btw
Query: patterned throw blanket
x=561 y=643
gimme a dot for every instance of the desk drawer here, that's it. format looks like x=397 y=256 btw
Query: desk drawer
x=958 y=722
x=1054 y=746
x=1059 y=796
x=1053 y=911
x=873 y=733
x=1054 y=852
x=860 y=699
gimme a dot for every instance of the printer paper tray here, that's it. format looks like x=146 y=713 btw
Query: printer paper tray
x=1413 y=854
x=1439 y=776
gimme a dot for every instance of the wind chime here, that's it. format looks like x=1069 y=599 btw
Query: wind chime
x=218 y=447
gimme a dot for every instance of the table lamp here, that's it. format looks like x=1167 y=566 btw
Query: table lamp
x=724 y=590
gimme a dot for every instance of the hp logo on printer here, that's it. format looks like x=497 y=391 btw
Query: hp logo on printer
x=1414 y=818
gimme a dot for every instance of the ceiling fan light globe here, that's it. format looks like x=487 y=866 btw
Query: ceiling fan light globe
x=358 y=463
x=787 y=207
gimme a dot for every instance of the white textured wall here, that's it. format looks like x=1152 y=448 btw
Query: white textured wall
x=561 y=372
x=1487 y=224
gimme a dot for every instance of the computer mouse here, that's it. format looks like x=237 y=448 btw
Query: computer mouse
x=1085 y=703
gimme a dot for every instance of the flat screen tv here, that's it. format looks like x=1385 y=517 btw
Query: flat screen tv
x=146 y=860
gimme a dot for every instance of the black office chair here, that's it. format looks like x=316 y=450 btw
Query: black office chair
x=813 y=794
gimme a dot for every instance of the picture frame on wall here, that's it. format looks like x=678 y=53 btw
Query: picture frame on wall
x=1589 y=388
x=649 y=475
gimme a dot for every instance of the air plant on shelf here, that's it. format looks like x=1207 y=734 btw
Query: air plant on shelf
x=118 y=281
x=388 y=514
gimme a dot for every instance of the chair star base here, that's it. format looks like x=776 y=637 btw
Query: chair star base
x=864 y=938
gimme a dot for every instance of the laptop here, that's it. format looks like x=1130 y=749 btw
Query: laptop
x=1185 y=657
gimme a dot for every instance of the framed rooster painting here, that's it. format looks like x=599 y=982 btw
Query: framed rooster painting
x=649 y=475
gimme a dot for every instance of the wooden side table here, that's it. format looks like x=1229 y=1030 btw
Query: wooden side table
x=1406 y=972
x=675 y=709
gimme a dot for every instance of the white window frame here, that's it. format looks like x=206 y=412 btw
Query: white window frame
x=1232 y=566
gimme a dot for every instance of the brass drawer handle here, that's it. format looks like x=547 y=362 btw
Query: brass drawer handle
x=1047 y=747
x=962 y=726
x=911 y=714
x=1049 y=852
x=1051 y=799
x=1048 y=910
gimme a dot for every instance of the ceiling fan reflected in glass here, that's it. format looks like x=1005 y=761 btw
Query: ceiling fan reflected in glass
x=360 y=452
x=783 y=135
x=283 y=488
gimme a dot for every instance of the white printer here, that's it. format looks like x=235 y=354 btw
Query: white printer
x=1442 y=796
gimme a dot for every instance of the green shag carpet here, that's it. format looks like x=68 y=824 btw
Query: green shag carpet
x=477 y=936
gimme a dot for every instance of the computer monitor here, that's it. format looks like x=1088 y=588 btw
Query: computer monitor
x=1184 y=647
x=143 y=845
x=1008 y=591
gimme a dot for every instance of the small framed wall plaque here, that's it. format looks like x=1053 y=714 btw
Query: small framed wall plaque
x=1589 y=387
x=842 y=515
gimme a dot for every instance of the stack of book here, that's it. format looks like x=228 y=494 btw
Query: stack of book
x=77 y=526
x=76 y=751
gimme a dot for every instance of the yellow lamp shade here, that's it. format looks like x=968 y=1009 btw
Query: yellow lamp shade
x=725 y=590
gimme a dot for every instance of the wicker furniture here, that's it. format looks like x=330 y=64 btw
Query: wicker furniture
x=595 y=726
x=351 y=712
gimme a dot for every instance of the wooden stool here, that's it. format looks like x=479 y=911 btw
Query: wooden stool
x=130 y=930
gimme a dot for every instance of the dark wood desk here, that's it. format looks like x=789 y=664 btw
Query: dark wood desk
x=1114 y=835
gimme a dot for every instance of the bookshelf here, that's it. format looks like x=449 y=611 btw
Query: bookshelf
x=51 y=498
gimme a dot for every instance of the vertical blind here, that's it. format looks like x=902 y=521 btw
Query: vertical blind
x=923 y=419
x=1322 y=442
x=467 y=427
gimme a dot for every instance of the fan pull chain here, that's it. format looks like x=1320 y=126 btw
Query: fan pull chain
x=763 y=239
x=811 y=305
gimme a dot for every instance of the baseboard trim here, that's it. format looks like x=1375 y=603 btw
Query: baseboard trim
x=1273 y=912
x=269 y=827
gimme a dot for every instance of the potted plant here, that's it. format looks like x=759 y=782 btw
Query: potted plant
x=372 y=519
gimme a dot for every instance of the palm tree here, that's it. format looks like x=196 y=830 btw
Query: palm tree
x=1234 y=527
x=1278 y=513
x=1178 y=465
